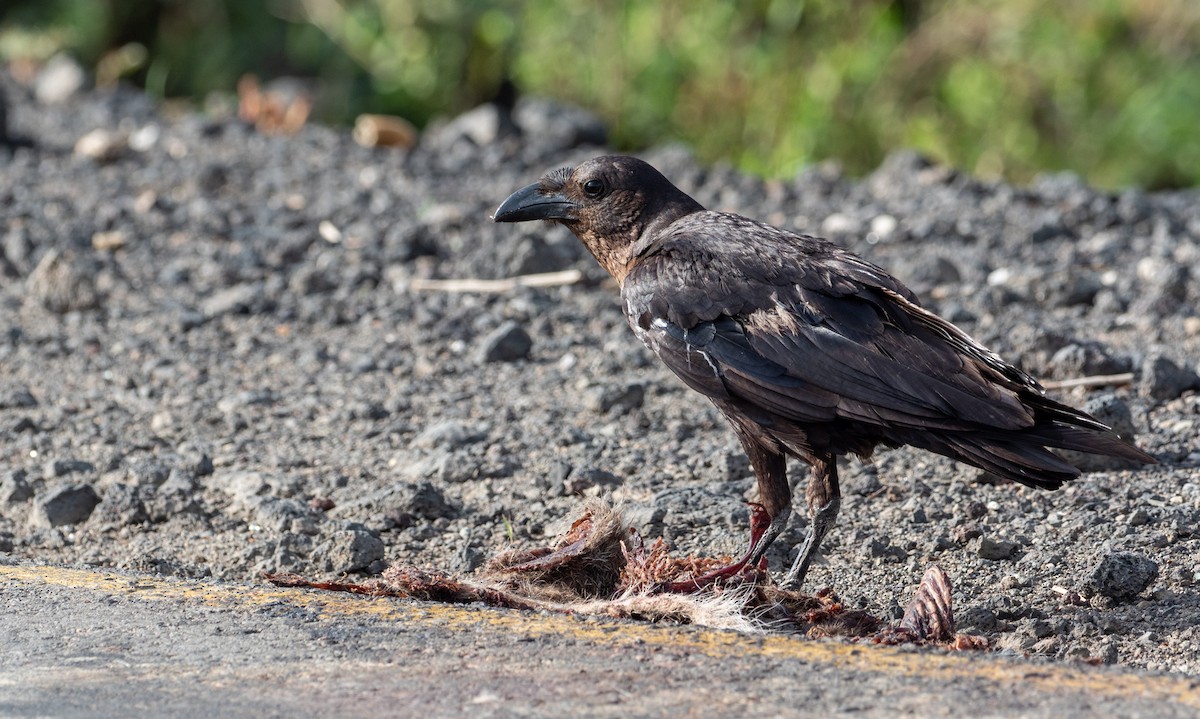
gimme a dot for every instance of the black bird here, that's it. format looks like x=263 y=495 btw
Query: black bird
x=807 y=349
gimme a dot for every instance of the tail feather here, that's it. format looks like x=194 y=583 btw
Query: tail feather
x=1064 y=436
x=1030 y=464
x=1024 y=455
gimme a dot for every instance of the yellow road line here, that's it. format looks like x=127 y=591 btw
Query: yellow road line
x=937 y=666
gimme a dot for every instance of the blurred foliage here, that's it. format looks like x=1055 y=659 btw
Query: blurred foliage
x=1107 y=88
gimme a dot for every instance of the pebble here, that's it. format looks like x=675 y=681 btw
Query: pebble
x=965 y=533
x=101 y=145
x=69 y=504
x=322 y=503
x=1139 y=517
x=862 y=483
x=881 y=548
x=384 y=131
x=242 y=485
x=352 y=550
x=882 y=227
x=59 y=80
x=109 y=241
x=311 y=280
x=17 y=398
x=13 y=487
x=590 y=481
x=1075 y=287
x=23 y=424
x=1162 y=379
x=553 y=126
x=144 y=139
x=1086 y=359
x=175 y=496
x=1009 y=608
x=239 y=299
x=417 y=502
x=941 y=544
x=481 y=126
x=841 y=224
x=276 y=514
x=62 y=467
x=196 y=459
x=923 y=274
x=404 y=242
x=1078 y=651
x=15 y=247
x=1111 y=409
x=122 y=506
x=450 y=434
x=456 y=468
x=1047 y=230
x=507 y=343
x=367 y=410
x=619 y=398
x=61 y=284
x=1168 y=280
x=149 y=472
x=245 y=399
x=646 y=518
x=996 y=549
x=1012 y=581
x=725 y=465
x=1123 y=575
x=978 y=618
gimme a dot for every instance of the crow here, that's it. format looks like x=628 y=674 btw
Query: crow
x=807 y=350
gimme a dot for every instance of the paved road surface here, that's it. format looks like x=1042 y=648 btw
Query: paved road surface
x=97 y=643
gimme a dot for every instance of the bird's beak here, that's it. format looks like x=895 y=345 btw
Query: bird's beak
x=532 y=203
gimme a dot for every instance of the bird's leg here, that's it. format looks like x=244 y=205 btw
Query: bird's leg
x=775 y=496
x=824 y=500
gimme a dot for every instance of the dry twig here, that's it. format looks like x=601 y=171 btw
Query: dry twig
x=1100 y=380
x=508 y=284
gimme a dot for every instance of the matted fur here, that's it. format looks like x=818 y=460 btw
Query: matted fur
x=599 y=566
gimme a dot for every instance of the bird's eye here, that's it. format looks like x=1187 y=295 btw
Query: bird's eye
x=593 y=188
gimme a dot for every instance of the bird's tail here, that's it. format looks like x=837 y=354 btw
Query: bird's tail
x=1025 y=456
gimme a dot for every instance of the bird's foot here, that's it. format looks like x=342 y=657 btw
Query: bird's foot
x=823 y=518
x=743 y=570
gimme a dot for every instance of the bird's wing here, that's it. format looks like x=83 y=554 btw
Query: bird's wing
x=815 y=335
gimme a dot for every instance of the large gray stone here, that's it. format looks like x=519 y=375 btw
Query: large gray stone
x=70 y=504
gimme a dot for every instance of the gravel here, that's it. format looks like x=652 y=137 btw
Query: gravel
x=216 y=363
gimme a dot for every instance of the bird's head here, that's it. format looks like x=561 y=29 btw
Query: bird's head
x=611 y=203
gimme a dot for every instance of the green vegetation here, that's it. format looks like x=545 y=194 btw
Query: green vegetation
x=1107 y=88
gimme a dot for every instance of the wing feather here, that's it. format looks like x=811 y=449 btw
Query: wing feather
x=809 y=340
x=803 y=329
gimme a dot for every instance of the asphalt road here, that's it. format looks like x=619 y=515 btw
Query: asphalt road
x=97 y=643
